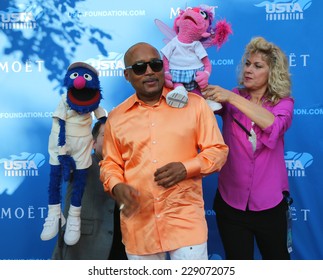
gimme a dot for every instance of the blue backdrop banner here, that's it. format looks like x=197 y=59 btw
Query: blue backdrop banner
x=39 y=39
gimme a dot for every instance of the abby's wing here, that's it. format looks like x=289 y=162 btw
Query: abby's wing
x=166 y=30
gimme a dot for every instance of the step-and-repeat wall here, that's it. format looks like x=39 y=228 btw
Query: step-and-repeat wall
x=39 y=39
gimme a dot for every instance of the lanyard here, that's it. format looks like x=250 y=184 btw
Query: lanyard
x=242 y=126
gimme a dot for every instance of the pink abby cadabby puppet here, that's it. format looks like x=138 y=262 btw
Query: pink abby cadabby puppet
x=186 y=63
x=70 y=147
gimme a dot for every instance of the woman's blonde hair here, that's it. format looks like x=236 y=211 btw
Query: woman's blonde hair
x=279 y=81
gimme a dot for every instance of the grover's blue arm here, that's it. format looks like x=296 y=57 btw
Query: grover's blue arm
x=62 y=133
x=66 y=161
x=103 y=120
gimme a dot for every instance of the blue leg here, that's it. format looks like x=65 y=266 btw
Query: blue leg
x=80 y=176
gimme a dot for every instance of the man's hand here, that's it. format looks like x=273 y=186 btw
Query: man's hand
x=170 y=174
x=127 y=198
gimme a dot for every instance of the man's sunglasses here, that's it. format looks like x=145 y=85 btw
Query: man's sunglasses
x=140 y=68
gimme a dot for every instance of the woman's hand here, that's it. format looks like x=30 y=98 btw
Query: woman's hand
x=216 y=93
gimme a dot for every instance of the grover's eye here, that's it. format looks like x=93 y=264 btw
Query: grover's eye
x=204 y=14
x=74 y=75
x=87 y=77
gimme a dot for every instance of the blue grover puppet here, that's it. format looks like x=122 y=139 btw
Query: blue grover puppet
x=70 y=147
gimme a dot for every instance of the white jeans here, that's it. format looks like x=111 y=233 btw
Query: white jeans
x=194 y=252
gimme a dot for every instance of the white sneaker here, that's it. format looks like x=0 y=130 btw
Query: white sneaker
x=177 y=98
x=51 y=225
x=215 y=106
x=73 y=226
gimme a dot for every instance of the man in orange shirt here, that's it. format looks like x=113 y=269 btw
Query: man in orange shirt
x=154 y=158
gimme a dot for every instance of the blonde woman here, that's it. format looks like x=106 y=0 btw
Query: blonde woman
x=252 y=196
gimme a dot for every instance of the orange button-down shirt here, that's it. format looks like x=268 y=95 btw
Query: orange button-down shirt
x=139 y=139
